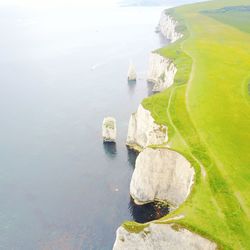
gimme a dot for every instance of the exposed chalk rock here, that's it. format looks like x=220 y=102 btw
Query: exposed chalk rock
x=161 y=237
x=161 y=72
x=109 y=129
x=161 y=174
x=143 y=131
x=167 y=26
x=131 y=73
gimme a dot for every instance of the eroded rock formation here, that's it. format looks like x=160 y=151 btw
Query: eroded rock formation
x=161 y=174
x=143 y=131
x=167 y=26
x=131 y=73
x=161 y=237
x=109 y=129
x=161 y=72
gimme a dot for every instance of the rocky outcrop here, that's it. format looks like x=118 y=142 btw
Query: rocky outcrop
x=109 y=129
x=161 y=72
x=161 y=237
x=167 y=26
x=143 y=131
x=131 y=73
x=161 y=174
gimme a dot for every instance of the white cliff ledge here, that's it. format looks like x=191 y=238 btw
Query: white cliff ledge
x=161 y=72
x=143 y=131
x=161 y=237
x=167 y=26
x=161 y=174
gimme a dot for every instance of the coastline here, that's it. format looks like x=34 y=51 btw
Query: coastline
x=134 y=142
x=217 y=207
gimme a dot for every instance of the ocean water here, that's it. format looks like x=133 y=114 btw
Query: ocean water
x=61 y=72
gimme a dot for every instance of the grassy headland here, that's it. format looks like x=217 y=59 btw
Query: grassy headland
x=207 y=111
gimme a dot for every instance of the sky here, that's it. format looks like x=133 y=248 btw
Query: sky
x=86 y=3
x=58 y=3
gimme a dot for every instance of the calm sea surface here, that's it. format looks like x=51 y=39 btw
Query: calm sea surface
x=61 y=72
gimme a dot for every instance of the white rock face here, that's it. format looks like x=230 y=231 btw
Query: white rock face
x=131 y=72
x=167 y=26
x=161 y=174
x=161 y=237
x=109 y=129
x=161 y=72
x=143 y=131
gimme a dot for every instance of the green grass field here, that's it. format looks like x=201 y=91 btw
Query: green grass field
x=207 y=111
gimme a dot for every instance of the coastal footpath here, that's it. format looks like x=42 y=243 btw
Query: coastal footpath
x=187 y=156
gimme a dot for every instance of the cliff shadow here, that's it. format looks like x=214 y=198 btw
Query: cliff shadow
x=147 y=212
x=163 y=40
x=132 y=155
x=131 y=86
x=110 y=149
x=150 y=86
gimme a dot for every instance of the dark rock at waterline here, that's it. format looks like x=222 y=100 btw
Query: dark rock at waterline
x=148 y=212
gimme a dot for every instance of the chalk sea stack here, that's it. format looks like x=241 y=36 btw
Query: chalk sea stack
x=131 y=72
x=109 y=129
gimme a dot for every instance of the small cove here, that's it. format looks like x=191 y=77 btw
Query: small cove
x=147 y=212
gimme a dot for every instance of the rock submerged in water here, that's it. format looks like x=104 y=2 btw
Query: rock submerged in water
x=132 y=73
x=109 y=129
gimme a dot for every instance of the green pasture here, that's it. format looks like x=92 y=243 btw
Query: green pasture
x=207 y=111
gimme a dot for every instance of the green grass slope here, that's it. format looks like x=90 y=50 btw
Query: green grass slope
x=207 y=111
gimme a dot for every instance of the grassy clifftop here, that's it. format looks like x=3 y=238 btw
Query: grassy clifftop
x=207 y=111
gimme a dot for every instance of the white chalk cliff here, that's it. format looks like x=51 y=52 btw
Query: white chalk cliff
x=161 y=237
x=161 y=174
x=161 y=72
x=167 y=26
x=109 y=129
x=131 y=72
x=143 y=131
